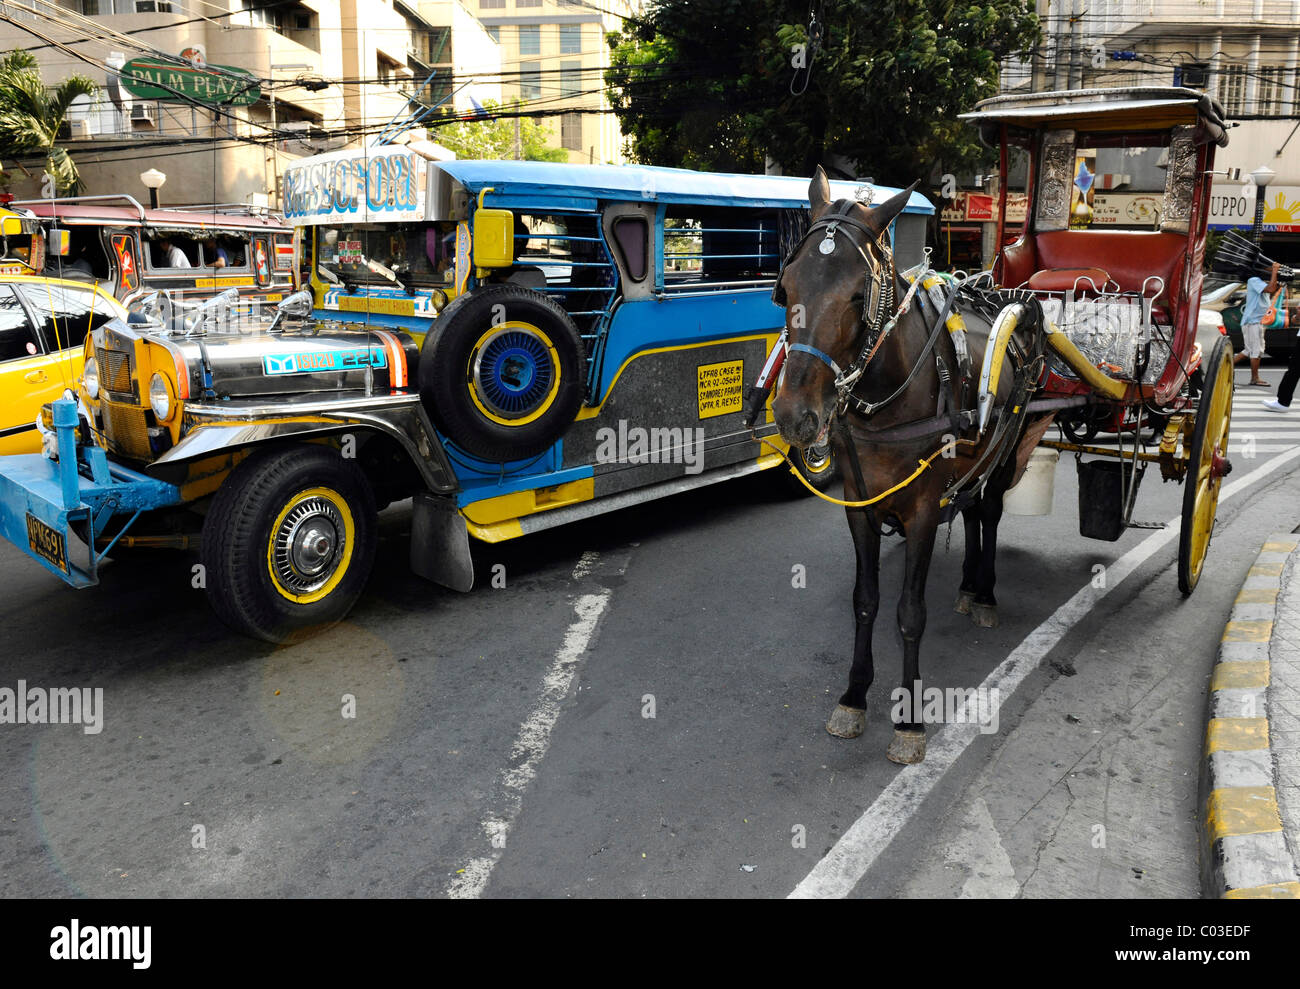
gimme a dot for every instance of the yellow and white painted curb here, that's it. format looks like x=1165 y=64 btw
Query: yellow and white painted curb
x=1244 y=853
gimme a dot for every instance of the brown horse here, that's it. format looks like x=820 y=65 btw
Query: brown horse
x=892 y=391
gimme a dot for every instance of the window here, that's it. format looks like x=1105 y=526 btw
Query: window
x=67 y=323
x=570 y=39
x=17 y=338
x=173 y=253
x=528 y=3
x=153 y=7
x=530 y=80
x=571 y=131
x=1232 y=89
x=494 y=33
x=530 y=39
x=387 y=69
x=570 y=78
x=719 y=245
x=631 y=234
x=1270 y=87
x=492 y=4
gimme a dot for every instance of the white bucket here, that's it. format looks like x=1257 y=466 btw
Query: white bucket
x=1033 y=494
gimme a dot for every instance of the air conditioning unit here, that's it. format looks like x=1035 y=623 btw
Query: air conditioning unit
x=1194 y=75
x=144 y=115
x=78 y=129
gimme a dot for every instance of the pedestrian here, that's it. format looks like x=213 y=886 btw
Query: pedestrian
x=1286 y=390
x=1258 y=296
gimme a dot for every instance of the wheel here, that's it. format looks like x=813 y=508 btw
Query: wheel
x=501 y=373
x=289 y=542
x=1207 y=465
x=817 y=465
x=1080 y=427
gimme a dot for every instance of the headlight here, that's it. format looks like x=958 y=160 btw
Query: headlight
x=160 y=397
x=90 y=376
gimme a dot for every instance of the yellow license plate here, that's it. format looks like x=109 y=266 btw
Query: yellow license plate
x=47 y=543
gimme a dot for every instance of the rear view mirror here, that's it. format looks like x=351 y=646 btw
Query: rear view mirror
x=494 y=238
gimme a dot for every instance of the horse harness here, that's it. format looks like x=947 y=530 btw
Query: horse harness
x=955 y=417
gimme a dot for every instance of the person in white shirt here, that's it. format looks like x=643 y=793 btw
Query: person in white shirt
x=173 y=256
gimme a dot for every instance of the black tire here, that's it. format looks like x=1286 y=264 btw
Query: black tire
x=291 y=596
x=501 y=373
x=818 y=465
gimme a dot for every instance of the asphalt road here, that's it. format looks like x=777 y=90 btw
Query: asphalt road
x=638 y=712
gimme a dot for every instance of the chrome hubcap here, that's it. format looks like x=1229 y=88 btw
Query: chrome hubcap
x=815 y=458
x=308 y=545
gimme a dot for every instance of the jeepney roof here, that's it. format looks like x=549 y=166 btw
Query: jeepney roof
x=98 y=214
x=540 y=182
x=1140 y=108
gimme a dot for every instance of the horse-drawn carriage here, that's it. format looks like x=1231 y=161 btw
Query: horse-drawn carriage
x=1084 y=308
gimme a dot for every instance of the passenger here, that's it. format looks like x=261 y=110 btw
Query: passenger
x=173 y=256
x=214 y=250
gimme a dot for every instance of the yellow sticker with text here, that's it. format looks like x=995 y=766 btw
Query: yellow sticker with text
x=719 y=388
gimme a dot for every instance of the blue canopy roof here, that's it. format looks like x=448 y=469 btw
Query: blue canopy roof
x=542 y=180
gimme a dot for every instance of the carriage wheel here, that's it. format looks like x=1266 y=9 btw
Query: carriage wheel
x=1207 y=465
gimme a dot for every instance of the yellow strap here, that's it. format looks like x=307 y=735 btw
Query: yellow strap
x=924 y=464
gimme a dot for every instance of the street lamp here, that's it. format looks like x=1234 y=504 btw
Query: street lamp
x=1262 y=176
x=153 y=181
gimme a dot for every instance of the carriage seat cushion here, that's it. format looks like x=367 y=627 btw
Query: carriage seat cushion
x=1070 y=280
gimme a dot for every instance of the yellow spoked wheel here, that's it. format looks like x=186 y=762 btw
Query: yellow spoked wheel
x=1207 y=465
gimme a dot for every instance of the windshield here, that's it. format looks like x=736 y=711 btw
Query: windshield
x=416 y=255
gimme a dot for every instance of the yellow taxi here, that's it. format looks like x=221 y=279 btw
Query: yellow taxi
x=43 y=326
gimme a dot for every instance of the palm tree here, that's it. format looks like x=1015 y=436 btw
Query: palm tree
x=30 y=117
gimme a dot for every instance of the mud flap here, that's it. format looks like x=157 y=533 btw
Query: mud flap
x=440 y=543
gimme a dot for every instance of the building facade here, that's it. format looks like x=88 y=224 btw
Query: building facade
x=553 y=59
x=328 y=74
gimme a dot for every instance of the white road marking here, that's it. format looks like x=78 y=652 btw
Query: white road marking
x=534 y=736
x=848 y=861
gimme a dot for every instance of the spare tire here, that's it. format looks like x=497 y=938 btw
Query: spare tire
x=501 y=372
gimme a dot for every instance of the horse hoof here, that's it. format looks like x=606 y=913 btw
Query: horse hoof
x=907 y=748
x=847 y=722
x=964 y=600
x=984 y=615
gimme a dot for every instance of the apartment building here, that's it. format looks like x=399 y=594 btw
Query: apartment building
x=553 y=58
x=326 y=73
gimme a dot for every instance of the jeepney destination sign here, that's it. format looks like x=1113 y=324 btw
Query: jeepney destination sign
x=155 y=79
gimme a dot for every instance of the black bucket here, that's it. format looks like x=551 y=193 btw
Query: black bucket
x=1102 y=512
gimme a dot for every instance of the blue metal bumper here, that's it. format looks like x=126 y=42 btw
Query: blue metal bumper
x=41 y=500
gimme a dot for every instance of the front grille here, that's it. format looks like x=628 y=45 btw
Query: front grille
x=114 y=370
x=126 y=431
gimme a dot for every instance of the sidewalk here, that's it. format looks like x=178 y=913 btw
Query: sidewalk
x=1250 y=779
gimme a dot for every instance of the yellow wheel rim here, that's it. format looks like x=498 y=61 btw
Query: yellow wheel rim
x=309 y=550
x=1201 y=473
x=513 y=373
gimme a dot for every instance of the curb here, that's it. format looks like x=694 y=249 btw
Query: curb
x=1244 y=852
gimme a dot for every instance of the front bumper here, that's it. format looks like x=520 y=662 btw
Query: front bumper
x=43 y=501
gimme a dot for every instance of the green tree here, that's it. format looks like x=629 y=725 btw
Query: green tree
x=30 y=117
x=708 y=83
x=494 y=137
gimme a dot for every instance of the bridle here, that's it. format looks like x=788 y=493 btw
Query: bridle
x=877 y=299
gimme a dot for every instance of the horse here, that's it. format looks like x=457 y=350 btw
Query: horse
x=891 y=391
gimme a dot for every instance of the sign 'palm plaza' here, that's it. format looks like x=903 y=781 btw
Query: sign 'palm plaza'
x=158 y=79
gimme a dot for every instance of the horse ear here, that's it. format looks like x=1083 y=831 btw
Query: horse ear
x=819 y=192
x=880 y=217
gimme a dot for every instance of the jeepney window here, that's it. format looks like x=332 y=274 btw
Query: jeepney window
x=173 y=251
x=232 y=250
x=17 y=337
x=417 y=254
x=66 y=314
x=631 y=235
x=720 y=246
x=566 y=248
